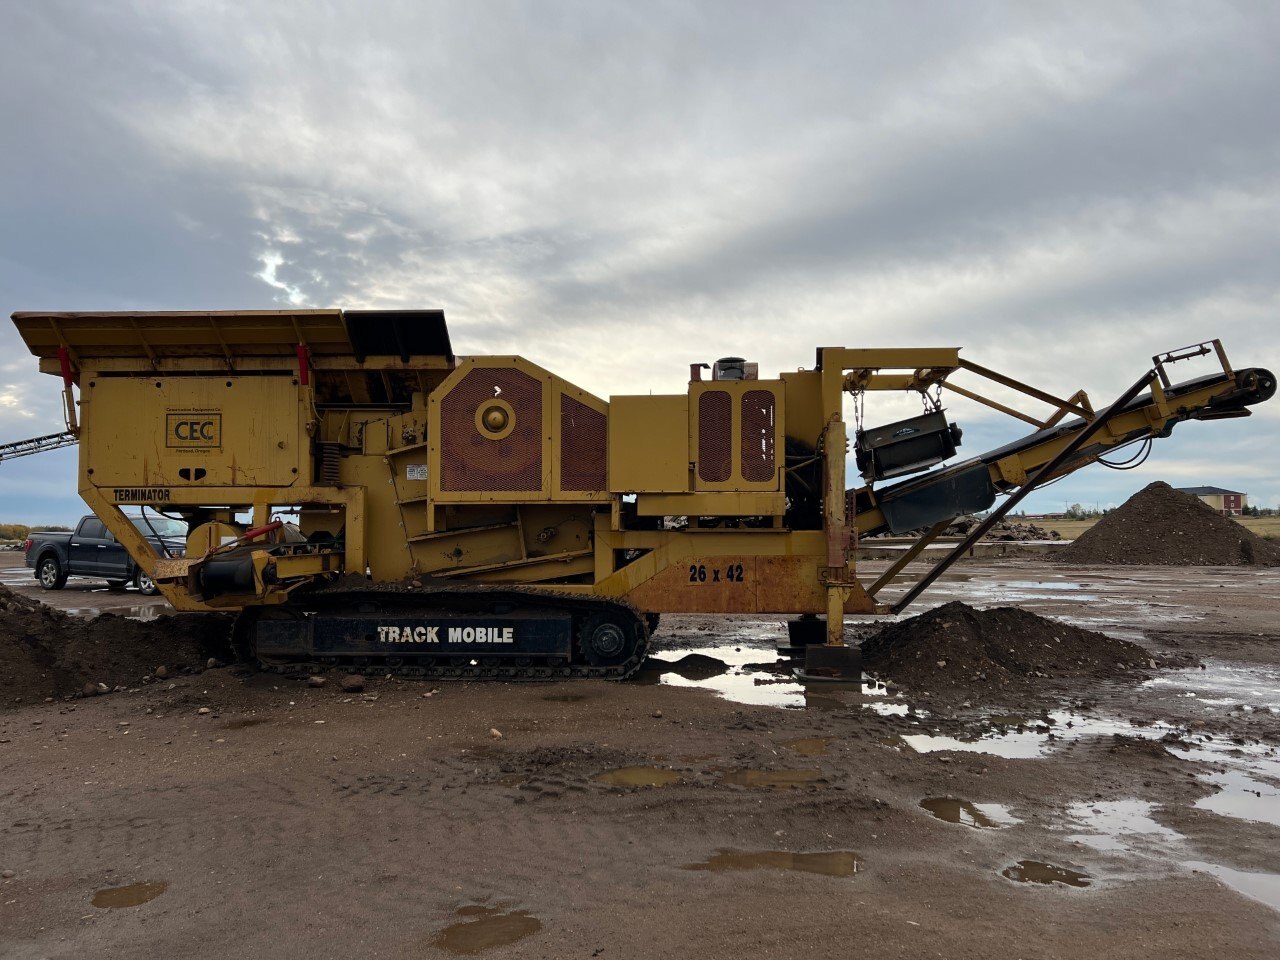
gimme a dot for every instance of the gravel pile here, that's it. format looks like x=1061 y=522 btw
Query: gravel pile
x=1160 y=526
x=1009 y=531
x=1006 y=530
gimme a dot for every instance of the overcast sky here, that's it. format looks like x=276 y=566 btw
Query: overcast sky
x=616 y=189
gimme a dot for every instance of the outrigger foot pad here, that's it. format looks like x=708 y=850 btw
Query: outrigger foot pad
x=826 y=662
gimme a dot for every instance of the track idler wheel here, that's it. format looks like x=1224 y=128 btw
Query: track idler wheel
x=607 y=638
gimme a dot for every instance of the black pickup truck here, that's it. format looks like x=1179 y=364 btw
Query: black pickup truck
x=91 y=551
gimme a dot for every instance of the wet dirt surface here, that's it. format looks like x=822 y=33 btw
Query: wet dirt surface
x=833 y=863
x=291 y=821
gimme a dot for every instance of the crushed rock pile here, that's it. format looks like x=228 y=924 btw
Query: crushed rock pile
x=956 y=647
x=47 y=653
x=1006 y=530
x=1160 y=526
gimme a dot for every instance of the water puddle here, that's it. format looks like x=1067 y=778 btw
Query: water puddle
x=1011 y=746
x=113 y=898
x=976 y=815
x=1219 y=684
x=890 y=709
x=484 y=928
x=1119 y=825
x=742 y=683
x=809 y=746
x=1018 y=591
x=1037 y=871
x=833 y=863
x=769 y=778
x=1263 y=887
x=637 y=777
x=1024 y=743
x=1243 y=797
x=145 y=612
x=748 y=670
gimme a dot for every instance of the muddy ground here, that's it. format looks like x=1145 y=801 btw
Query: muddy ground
x=289 y=821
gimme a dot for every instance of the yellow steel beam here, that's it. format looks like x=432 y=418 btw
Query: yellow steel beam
x=993 y=405
x=1023 y=388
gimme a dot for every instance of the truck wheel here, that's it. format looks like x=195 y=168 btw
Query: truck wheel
x=117 y=584
x=52 y=576
x=145 y=585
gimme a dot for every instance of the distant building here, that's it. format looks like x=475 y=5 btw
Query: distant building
x=1229 y=503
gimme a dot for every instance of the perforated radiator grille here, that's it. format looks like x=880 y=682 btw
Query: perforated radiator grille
x=757 y=436
x=715 y=436
x=584 y=444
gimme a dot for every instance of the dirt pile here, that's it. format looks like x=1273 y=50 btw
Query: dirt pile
x=1159 y=525
x=956 y=647
x=47 y=653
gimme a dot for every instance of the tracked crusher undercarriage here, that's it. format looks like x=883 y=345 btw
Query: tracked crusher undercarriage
x=366 y=499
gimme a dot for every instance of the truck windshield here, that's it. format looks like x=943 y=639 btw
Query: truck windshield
x=163 y=526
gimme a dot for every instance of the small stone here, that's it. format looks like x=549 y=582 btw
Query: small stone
x=352 y=683
x=162 y=672
x=102 y=688
x=657 y=714
x=213 y=663
x=942 y=663
x=316 y=681
x=7 y=874
x=202 y=711
x=495 y=733
x=89 y=690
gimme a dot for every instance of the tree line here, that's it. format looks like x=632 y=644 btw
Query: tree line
x=20 y=531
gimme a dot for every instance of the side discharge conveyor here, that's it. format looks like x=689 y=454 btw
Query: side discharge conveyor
x=367 y=499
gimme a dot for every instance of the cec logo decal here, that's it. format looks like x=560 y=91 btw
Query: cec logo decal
x=194 y=429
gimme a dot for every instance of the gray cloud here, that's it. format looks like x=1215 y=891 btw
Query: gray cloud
x=617 y=189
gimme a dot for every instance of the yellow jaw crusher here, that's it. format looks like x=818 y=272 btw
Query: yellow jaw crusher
x=481 y=516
